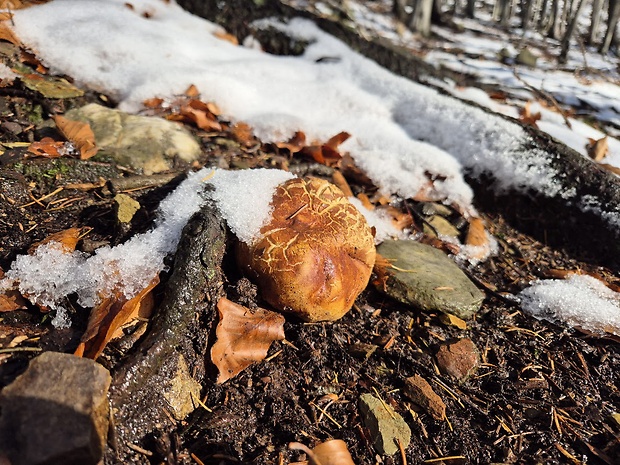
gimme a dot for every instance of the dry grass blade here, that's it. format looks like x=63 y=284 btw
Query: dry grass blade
x=243 y=337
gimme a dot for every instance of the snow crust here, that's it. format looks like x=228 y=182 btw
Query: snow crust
x=6 y=74
x=580 y=301
x=48 y=276
x=401 y=131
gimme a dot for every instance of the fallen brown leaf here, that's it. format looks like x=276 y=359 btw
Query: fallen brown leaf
x=294 y=144
x=227 y=37
x=243 y=337
x=243 y=134
x=80 y=134
x=477 y=237
x=527 y=117
x=332 y=452
x=7 y=34
x=11 y=299
x=49 y=148
x=192 y=91
x=113 y=312
x=67 y=240
x=597 y=148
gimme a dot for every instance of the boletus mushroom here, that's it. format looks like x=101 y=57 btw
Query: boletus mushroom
x=315 y=255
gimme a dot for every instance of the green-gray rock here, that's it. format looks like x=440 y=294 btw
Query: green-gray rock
x=426 y=278
x=386 y=426
x=440 y=226
x=144 y=143
x=527 y=58
x=126 y=207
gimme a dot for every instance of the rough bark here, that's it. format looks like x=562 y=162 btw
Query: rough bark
x=613 y=16
x=595 y=21
x=181 y=328
x=570 y=30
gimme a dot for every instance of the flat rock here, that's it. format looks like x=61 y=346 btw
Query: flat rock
x=182 y=391
x=145 y=143
x=386 y=426
x=426 y=278
x=422 y=394
x=458 y=359
x=56 y=412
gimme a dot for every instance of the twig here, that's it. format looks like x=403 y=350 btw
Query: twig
x=545 y=95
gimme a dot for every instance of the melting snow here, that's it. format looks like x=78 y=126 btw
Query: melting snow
x=400 y=130
x=580 y=301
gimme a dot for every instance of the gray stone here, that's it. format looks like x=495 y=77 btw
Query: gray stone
x=56 y=412
x=144 y=143
x=439 y=225
x=426 y=278
x=386 y=426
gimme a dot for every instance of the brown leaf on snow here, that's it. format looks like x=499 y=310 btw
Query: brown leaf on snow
x=112 y=313
x=295 y=143
x=243 y=337
x=597 y=149
x=200 y=113
x=526 y=116
x=332 y=452
x=477 y=237
x=327 y=153
x=80 y=134
x=67 y=240
x=222 y=35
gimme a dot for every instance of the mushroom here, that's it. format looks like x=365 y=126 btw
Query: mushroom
x=315 y=255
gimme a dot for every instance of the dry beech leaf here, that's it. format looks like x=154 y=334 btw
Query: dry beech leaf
x=80 y=134
x=316 y=254
x=327 y=154
x=112 y=313
x=48 y=148
x=243 y=337
x=295 y=143
x=11 y=299
x=192 y=91
x=7 y=34
x=332 y=452
x=339 y=180
x=597 y=149
x=526 y=116
x=153 y=103
x=66 y=239
x=227 y=37
x=477 y=237
x=611 y=168
x=242 y=132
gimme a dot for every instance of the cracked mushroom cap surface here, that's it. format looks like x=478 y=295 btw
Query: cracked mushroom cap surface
x=315 y=255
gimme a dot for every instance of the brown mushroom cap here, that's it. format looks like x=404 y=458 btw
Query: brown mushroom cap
x=316 y=254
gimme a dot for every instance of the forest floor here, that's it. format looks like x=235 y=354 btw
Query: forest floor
x=542 y=393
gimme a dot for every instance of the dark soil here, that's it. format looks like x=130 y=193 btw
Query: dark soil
x=543 y=393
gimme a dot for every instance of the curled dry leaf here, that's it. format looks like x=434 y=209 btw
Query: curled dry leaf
x=332 y=452
x=80 y=134
x=315 y=255
x=327 y=153
x=49 y=148
x=597 y=149
x=11 y=299
x=243 y=337
x=477 y=237
x=7 y=34
x=527 y=117
x=113 y=312
x=66 y=239
x=294 y=144
x=242 y=132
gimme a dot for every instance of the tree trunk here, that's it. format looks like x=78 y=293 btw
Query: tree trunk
x=504 y=11
x=555 y=26
x=526 y=13
x=570 y=30
x=471 y=9
x=595 y=21
x=613 y=15
x=420 y=20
